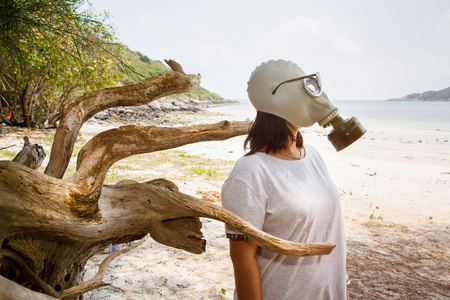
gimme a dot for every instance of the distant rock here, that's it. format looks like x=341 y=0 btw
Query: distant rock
x=163 y=111
x=442 y=95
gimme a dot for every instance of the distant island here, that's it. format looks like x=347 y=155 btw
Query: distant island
x=442 y=95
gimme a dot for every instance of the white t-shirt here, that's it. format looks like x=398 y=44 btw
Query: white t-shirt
x=295 y=201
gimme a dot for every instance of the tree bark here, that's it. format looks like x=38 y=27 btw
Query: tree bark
x=26 y=114
x=13 y=291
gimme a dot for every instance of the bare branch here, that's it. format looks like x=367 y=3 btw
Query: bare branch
x=7 y=147
x=97 y=280
x=76 y=112
x=97 y=156
x=195 y=207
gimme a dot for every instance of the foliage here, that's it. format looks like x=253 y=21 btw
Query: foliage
x=145 y=67
x=50 y=53
x=202 y=94
x=142 y=67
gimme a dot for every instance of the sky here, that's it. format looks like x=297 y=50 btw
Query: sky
x=363 y=49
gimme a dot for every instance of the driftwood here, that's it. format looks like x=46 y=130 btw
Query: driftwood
x=50 y=226
x=31 y=155
x=77 y=112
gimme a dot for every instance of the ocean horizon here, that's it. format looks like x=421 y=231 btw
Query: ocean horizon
x=414 y=121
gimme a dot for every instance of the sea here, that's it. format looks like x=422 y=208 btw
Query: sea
x=411 y=122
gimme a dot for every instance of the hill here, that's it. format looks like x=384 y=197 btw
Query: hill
x=442 y=95
x=147 y=67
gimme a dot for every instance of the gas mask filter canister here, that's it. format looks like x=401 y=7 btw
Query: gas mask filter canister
x=282 y=88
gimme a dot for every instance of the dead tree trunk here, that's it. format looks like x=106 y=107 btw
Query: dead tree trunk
x=50 y=226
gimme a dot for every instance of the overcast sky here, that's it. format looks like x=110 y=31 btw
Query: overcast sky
x=364 y=50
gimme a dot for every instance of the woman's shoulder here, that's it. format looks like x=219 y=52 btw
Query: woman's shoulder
x=314 y=155
x=246 y=159
x=248 y=173
x=311 y=150
x=248 y=164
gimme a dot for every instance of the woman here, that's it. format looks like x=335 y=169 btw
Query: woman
x=282 y=187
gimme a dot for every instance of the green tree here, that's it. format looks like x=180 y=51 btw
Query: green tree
x=51 y=52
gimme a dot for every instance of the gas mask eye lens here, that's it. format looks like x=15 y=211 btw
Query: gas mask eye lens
x=312 y=85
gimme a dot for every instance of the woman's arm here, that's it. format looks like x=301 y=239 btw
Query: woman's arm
x=246 y=271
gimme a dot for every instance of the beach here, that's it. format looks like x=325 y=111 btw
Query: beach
x=395 y=201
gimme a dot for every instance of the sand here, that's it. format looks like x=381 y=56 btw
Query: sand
x=396 y=206
x=395 y=198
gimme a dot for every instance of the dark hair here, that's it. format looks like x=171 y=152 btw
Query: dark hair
x=270 y=133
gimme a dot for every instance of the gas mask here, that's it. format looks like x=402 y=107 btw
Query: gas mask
x=282 y=88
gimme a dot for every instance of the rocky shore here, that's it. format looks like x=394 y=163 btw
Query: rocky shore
x=162 y=112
